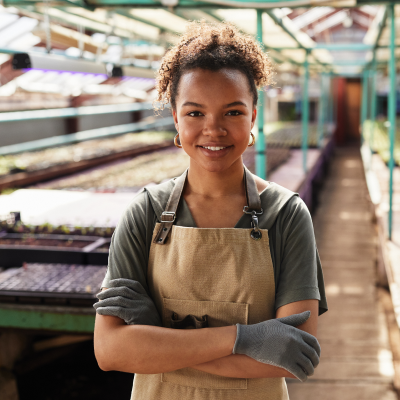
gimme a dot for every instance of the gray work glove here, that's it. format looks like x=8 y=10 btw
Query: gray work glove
x=279 y=343
x=127 y=299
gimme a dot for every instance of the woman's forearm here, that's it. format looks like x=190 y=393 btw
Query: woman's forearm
x=151 y=349
x=241 y=366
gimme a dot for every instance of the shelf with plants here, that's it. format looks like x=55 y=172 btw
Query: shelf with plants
x=378 y=140
x=148 y=169
x=276 y=156
x=289 y=134
x=58 y=284
x=17 y=249
x=128 y=175
x=21 y=243
x=32 y=167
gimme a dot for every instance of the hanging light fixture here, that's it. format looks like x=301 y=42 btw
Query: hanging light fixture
x=55 y=62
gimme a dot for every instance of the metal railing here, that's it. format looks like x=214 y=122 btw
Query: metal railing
x=91 y=134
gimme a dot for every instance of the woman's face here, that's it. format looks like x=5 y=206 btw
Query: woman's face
x=214 y=116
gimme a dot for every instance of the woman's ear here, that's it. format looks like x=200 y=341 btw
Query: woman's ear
x=174 y=114
x=253 y=117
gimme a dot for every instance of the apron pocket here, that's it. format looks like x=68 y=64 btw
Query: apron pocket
x=189 y=322
x=219 y=313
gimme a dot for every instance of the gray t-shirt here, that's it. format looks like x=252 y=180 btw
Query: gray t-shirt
x=297 y=267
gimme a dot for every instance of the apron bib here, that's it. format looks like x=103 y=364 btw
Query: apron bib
x=219 y=276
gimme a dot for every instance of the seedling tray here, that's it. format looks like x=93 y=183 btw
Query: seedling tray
x=17 y=249
x=52 y=284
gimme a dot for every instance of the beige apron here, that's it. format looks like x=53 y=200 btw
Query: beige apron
x=220 y=273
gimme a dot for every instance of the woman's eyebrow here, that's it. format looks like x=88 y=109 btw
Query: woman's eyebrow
x=235 y=103
x=192 y=104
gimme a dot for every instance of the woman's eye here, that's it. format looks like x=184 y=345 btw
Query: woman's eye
x=194 y=114
x=234 y=112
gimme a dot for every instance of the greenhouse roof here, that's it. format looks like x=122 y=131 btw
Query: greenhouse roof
x=117 y=31
x=263 y=4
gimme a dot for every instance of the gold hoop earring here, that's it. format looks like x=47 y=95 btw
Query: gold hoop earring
x=176 y=141
x=253 y=140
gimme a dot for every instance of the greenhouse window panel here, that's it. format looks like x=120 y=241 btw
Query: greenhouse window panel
x=311 y=16
x=25 y=42
x=7 y=19
x=163 y=18
x=335 y=19
x=17 y=29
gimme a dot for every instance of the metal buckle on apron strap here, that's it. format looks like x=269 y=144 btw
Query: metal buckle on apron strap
x=169 y=216
x=255 y=233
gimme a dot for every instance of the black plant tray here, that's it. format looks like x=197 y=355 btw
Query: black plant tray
x=15 y=255
x=61 y=284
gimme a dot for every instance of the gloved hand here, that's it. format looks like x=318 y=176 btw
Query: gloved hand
x=127 y=299
x=279 y=343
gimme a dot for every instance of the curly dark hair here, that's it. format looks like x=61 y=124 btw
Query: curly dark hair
x=212 y=47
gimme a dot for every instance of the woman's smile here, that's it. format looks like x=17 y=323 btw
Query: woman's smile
x=215 y=150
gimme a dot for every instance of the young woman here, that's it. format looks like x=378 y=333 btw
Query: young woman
x=214 y=283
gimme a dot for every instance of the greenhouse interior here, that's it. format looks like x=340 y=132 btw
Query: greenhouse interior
x=79 y=139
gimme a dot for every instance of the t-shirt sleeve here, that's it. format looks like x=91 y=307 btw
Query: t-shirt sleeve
x=128 y=255
x=300 y=272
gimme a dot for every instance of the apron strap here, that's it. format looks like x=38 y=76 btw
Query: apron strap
x=169 y=215
x=252 y=195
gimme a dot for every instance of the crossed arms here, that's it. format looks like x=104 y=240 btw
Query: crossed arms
x=152 y=349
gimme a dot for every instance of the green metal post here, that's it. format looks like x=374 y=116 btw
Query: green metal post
x=322 y=110
x=305 y=113
x=261 y=150
x=364 y=104
x=329 y=111
x=373 y=105
x=392 y=113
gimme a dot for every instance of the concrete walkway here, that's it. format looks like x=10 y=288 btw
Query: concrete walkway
x=356 y=360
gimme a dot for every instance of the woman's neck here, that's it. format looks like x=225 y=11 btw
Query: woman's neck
x=216 y=184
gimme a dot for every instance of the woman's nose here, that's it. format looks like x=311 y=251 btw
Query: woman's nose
x=214 y=127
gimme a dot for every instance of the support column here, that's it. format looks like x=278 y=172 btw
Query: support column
x=364 y=105
x=261 y=148
x=322 y=110
x=305 y=113
x=392 y=113
x=331 y=99
x=372 y=105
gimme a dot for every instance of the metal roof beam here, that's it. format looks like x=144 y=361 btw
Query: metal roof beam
x=127 y=14
x=212 y=14
x=279 y=22
x=65 y=3
x=108 y=28
x=91 y=25
x=332 y=47
x=189 y=15
x=335 y=47
x=277 y=60
x=381 y=26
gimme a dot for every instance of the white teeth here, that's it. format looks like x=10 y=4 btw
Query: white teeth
x=214 y=148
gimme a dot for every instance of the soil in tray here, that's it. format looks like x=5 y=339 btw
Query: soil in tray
x=44 y=242
x=42 y=159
